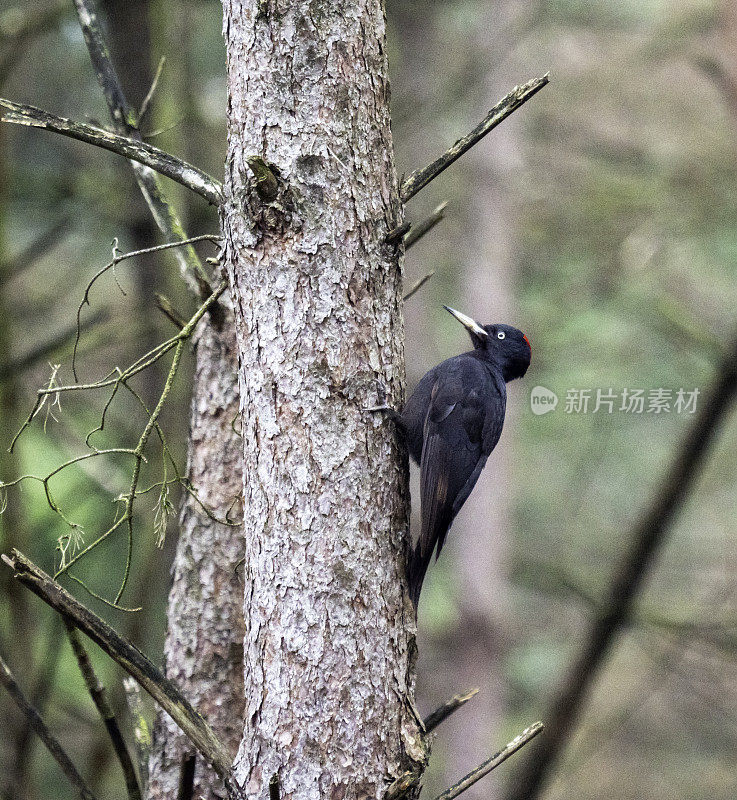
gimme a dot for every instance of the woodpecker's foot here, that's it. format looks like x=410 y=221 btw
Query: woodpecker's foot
x=382 y=407
x=395 y=416
x=381 y=397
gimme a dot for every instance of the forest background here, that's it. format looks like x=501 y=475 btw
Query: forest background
x=600 y=219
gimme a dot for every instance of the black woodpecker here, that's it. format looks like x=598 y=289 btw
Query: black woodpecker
x=452 y=422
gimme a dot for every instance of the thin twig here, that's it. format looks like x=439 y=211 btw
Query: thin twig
x=142 y=152
x=164 y=691
x=506 y=106
x=167 y=309
x=99 y=698
x=117 y=259
x=427 y=224
x=491 y=763
x=418 y=285
x=441 y=714
x=126 y=124
x=146 y=104
x=396 y=234
x=39 y=726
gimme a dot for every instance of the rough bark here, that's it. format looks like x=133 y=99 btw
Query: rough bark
x=318 y=316
x=204 y=643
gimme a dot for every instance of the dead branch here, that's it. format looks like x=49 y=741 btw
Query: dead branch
x=44 y=734
x=129 y=657
x=396 y=234
x=491 y=763
x=167 y=309
x=127 y=124
x=441 y=714
x=506 y=106
x=425 y=226
x=418 y=285
x=163 y=163
x=99 y=698
x=644 y=541
x=21 y=751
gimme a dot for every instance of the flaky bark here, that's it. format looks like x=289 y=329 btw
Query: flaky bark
x=318 y=317
x=204 y=643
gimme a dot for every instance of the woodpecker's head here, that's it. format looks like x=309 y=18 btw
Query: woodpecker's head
x=504 y=345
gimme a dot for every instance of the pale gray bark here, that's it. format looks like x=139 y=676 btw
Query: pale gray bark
x=318 y=316
x=204 y=643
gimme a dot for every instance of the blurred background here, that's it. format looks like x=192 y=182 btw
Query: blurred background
x=600 y=219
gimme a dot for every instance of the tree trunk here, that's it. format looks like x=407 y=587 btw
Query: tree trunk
x=204 y=643
x=317 y=295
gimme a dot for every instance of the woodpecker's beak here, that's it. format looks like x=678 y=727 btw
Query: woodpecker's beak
x=469 y=324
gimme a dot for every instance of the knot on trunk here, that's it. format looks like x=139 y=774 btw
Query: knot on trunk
x=267 y=197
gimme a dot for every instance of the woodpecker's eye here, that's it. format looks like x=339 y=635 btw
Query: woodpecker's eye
x=501 y=335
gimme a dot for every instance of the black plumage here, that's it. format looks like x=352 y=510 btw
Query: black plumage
x=452 y=422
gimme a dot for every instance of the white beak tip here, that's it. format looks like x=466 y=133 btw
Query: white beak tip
x=467 y=321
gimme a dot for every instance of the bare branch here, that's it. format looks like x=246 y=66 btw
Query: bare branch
x=117 y=258
x=644 y=540
x=164 y=163
x=21 y=751
x=129 y=657
x=39 y=726
x=126 y=124
x=396 y=234
x=146 y=104
x=418 y=285
x=492 y=763
x=402 y=785
x=99 y=698
x=506 y=106
x=425 y=226
x=441 y=714
x=167 y=309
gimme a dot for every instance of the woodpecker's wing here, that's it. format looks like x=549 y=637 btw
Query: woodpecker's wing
x=463 y=425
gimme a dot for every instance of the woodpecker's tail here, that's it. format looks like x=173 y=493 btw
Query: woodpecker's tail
x=416 y=569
